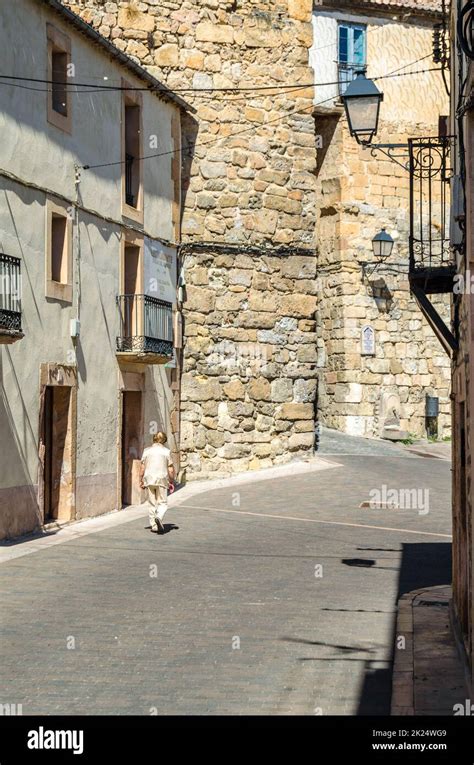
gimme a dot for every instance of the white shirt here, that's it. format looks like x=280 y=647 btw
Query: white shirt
x=156 y=459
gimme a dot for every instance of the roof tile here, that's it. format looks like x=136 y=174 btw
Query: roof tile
x=421 y=6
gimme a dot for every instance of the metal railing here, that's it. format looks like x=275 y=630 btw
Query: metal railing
x=146 y=325
x=430 y=176
x=346 y=73
x=10 y=293
x=129 y=195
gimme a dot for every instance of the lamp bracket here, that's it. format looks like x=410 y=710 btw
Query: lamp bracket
x=368 y=269
x=396 y=152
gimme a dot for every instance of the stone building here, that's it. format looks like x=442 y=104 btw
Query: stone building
x=87 y=329
x=279 y=208
x=462 y=127
x=375 y=389
x=248 y=260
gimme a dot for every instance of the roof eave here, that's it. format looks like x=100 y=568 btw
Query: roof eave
x=387 y=7
x=156 y=87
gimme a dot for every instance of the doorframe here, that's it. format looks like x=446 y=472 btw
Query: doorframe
x=57 y=375
x=131 y=379
x=133 y=239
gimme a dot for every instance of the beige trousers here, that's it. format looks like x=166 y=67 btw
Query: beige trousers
x=157 y=500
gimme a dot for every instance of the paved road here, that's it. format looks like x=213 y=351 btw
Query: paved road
x=270 y=597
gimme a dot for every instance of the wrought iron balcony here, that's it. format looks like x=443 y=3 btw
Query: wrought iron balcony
x=346 y=73
x=431 y=258
x=432 y=264
x=146 y=328
x=10 y=299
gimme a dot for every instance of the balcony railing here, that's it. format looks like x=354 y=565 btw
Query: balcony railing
x=346 y=73
x=432 y=263
x=146 y=325
x=129 y=195
x=10 y=294
x=430 y=176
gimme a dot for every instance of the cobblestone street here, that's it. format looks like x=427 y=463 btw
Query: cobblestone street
x=270 y=597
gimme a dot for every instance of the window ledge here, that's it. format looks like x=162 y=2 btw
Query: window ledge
x=132 y=213
x=9 y=336
x=58 y=291
x=61 y=121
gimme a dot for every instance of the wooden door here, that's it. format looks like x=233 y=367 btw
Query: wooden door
x=132 y=439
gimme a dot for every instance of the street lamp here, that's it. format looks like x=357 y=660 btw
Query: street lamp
x=382 y=245
x=362 y=101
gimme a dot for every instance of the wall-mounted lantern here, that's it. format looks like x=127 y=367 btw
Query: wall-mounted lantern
x=427 y=161
x=382 y=245
x=362 y=100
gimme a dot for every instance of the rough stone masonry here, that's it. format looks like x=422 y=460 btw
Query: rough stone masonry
x=249 y=377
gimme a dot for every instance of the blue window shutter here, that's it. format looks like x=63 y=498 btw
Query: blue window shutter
x=359 y=46
x=352 y=52
x=343 y=43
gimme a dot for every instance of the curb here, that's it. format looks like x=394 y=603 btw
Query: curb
x=403 y=678
x=191 y=489
x=428 y=455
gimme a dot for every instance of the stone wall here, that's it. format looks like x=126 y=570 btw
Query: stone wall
x=250 y=380
x=250 y=178
x=463 y=380
x=357 y=195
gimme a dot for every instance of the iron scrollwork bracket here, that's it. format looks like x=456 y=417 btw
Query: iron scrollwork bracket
x=368 y=269
x=395 y=152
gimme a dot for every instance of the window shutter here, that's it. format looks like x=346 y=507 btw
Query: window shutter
x=343 y=43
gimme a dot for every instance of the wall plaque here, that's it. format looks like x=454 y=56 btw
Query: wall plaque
x=367 y=341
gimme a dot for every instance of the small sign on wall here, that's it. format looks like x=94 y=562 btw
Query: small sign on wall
x=367 y=341
x=160 y=270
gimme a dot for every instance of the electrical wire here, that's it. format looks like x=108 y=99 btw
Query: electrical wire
x=230 y=99
x=196 y=91
x=287 y=89
x=412 y=63
x=465 y=29
x=232 y=135
x=214 y=140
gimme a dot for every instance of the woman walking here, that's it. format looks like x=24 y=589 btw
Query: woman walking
x=156 y=472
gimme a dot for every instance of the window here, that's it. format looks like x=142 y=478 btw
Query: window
x=59 y=249
x=132 y=206
x=132 y=152
x=131 y=263
x=351 y=52
x=59 y=59
x=131 y=299
x=59 y=93
x=58 y=252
